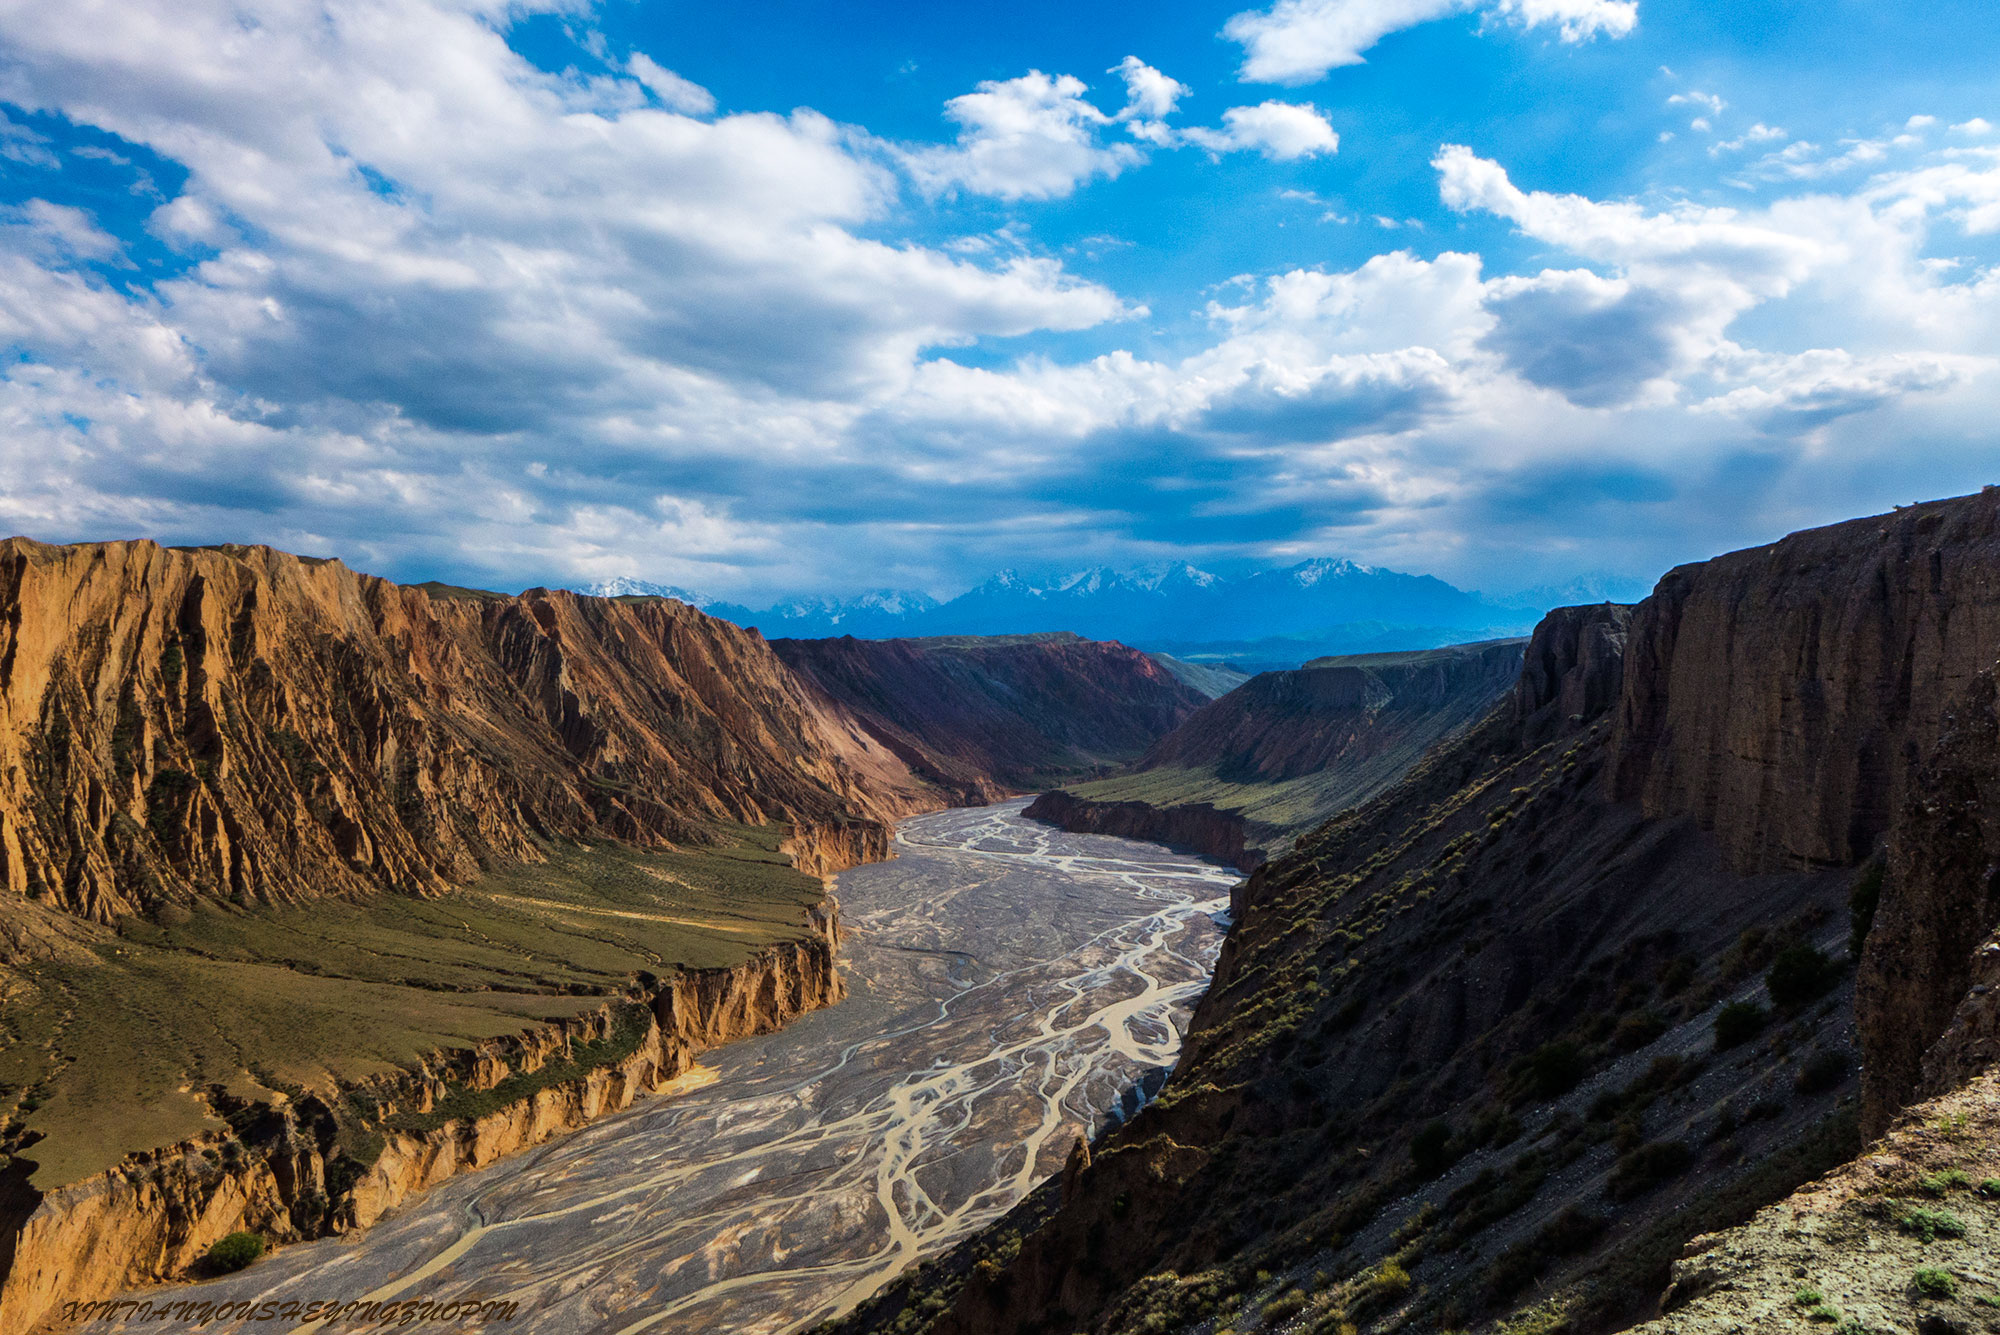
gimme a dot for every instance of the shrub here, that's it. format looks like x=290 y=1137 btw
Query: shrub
x=1738 y=1023
x=1938 y=1184
x=1808 y=1297
x=1648 y=1166
x=1990 y=1188
x=1555 y=1068
x=1677 y=974
x=1431 y=1149
x=1379 y=1289
x=1568 y=1233
x=1637 y=1030
x=1823 y=1071
x=1931 y=1225
x=233 y=1252
x=1931 y=1282
x=1283 y=1307
x=1801 y=973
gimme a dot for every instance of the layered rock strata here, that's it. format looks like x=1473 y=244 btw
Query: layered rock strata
x=241 y=724
x=1247 y=773
x=336 y=1159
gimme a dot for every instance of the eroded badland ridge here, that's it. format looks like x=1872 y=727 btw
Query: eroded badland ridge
x=1492 y=1049
x=321 y=888
x=978 y=718
x=1248 y=773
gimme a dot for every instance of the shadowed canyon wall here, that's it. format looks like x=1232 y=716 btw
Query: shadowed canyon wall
x=1519 y=950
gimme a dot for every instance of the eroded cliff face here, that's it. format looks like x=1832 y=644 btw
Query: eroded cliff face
x=981 y=717
x=241 y=724
x=1927 y=966
x=1783 y=696
x=1573 y=669
x=337 y=1158
x=1195 y=827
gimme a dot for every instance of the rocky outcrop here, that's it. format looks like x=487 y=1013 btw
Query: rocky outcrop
x=1784 y=696
x=1841 y=1254
x=826 y=848
x=1196 y=828
x=1573 y=670
x=336 y=1159
x=978 y=718
x=1927 y=951
x=240 y=724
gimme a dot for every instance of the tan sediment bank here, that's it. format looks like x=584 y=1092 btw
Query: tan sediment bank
x=152 y=1218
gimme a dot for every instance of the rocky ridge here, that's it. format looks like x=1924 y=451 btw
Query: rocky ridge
x=980 y=718
x=1246 y=774
x=1456 y=1022
x=245 y=725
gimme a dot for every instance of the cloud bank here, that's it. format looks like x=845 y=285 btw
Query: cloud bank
x=446 y=312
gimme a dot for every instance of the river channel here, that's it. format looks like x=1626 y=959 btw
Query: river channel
x=1010 y=987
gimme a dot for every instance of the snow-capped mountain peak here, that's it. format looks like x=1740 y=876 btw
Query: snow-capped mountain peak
x=624 y=586
x=1308 y=573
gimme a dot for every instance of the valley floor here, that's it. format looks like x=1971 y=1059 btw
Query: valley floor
x=1009 y=986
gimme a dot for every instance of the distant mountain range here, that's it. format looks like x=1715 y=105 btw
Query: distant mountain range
x=1264 y=619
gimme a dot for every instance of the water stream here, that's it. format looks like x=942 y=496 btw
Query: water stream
x=1010 y=987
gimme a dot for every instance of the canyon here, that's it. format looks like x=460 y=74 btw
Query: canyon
x=1576 y=982
x=1539 y=1030
x=979 y=718
x=1012 y=989
x=323 y=889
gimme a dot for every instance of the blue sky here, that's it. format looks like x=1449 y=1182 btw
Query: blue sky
x=785 y=297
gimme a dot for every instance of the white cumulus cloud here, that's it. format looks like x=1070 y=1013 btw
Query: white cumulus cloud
x=1040 y=137
x=1033 y=137
x=1283 y=131
x=1299 y=41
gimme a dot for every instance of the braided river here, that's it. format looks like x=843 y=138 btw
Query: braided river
x=1011 y=987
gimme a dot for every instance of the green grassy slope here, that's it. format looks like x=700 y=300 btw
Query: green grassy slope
x=109 y=1046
